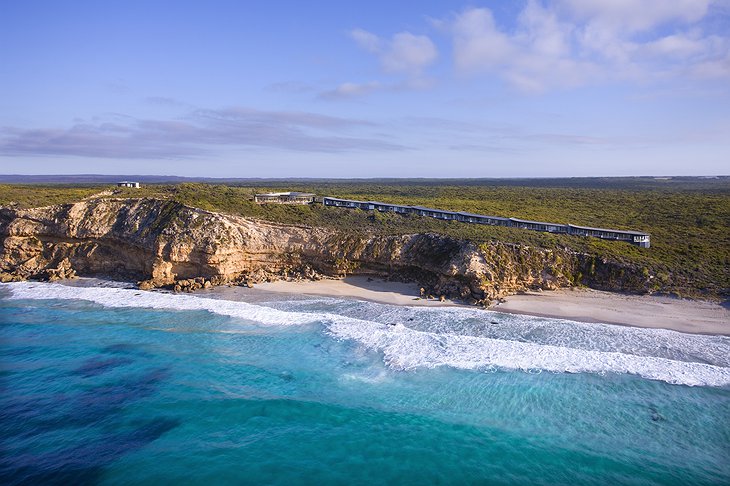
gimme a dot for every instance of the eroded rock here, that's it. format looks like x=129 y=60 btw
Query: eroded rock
x=165 y=244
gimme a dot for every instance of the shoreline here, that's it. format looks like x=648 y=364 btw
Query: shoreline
x=581 y=304
x=360 y=288
x=575 y=304
x=645 y=311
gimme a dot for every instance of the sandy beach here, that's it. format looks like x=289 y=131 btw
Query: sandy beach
x=585 y=305
x=363 y=288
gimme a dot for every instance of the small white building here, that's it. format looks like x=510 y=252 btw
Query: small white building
x=128 y=184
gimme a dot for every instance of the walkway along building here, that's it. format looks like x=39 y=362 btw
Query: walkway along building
x=634 y=237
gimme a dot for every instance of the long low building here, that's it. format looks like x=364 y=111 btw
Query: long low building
x=635 y=237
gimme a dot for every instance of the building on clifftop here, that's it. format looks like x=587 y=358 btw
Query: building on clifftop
x=284 y=198
x=128 y=184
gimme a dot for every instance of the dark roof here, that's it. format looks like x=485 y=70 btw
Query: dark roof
x=434 y=210
x=535 y=222
x=474 y=215
x=483 y=216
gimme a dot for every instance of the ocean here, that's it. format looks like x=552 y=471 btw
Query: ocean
x=106 y=384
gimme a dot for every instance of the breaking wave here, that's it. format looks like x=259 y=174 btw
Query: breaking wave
x=410 y=338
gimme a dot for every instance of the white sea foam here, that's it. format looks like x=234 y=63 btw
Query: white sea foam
x=662 y=343
x=124 y=297
x=460 y=338
x=405 y=348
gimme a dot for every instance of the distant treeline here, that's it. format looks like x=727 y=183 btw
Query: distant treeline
x=638 y=183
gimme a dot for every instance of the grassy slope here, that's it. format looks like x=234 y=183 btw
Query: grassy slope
x=30 y=196
x=689 y=220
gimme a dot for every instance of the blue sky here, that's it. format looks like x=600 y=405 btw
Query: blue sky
x=366 y=89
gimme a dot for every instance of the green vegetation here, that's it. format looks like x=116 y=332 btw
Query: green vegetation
x=33 y=196
x=688 y=218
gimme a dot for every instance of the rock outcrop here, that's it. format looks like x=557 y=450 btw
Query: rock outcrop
x=165 y=244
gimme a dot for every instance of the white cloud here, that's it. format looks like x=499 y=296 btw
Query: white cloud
x=201 y=132
x=680 y=45
x=570 y=43
x=559 y=44
x=543 y=32
x=405 y=52
x=351 y=90
x=536 y=56
x=714 y=68
x=367 y=40
x=478 y=44
x=408 y=52
x=635 y=15
x=355 y=90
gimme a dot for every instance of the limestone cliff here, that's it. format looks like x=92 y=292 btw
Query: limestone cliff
x=163 y=243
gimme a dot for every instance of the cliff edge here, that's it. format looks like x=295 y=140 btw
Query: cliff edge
x=162 y=243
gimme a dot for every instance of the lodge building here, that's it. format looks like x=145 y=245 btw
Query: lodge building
x=635 y=237
x=284 y=198
x=135 y=185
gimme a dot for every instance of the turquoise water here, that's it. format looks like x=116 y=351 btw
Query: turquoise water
x=115 y=386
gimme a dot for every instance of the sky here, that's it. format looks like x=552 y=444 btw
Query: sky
x=429 y=88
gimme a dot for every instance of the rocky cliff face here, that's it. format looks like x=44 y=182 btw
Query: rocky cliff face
x=165 y=244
